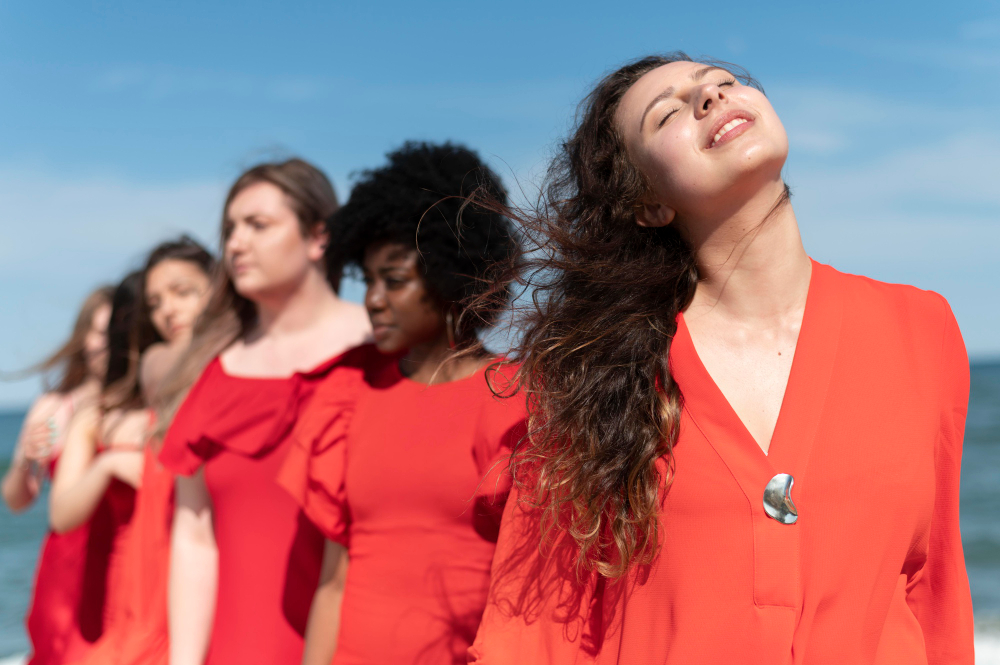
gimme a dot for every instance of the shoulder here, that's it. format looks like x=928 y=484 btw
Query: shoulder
x=920 y=313
x=44 y=406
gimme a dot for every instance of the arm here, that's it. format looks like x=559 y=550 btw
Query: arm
x=21 y=483
x=194 y=573
x=538 y=610
x=82 y=476
x=324 y=615
x=939 y=593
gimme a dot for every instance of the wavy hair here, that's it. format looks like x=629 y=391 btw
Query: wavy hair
x=595 y=336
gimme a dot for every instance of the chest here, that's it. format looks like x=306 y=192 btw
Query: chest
x=411 y=458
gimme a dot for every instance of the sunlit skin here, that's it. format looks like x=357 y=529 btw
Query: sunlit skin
x=749 y=302
x=405 y=317
x=176 y=293
x=265 y=252
x=45 y=426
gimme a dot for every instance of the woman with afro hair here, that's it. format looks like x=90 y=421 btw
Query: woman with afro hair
x=397 y=458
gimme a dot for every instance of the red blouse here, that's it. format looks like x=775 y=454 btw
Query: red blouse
x=414 y=487
x=872 y=571
x=269 y=554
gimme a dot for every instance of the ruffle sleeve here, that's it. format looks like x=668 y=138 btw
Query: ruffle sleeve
x=176 y=452
x=313 y=471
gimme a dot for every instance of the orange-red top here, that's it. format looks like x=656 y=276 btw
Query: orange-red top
x=409 y=477
x=239 y=429
x=871 y=430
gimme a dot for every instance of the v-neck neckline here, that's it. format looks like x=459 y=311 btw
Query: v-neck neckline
x=801 y=405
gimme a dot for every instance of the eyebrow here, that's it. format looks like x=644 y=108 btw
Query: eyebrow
x=669 y=92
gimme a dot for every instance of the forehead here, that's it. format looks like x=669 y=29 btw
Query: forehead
x=388 y=252
x=171 y=269
x=260 y=197
x=675 y=74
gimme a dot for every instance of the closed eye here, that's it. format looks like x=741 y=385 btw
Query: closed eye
x=726 y=82
x=666 y=117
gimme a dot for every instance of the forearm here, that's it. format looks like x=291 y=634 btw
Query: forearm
x=72 y=505
x=20 y=487
x=194 y=572
x=323 y=625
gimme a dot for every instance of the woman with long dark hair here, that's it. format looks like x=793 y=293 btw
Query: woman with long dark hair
x=390 y=456
x=737 y=454
x=176 y=281
x=59 y=628
x=244 y=562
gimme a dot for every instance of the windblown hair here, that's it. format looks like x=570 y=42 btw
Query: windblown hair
x=228 y=314
x=604 y=409
x=184 y=248
x=69 y=361
x=421 y=200
x=130 y=333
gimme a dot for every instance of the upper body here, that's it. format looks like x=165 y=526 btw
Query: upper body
x=415 y=498
x=736 y=452
x=400 y=460
x=244 y=563
x=872 y=571
x=83 y=360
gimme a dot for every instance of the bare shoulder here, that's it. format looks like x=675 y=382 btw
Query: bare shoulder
x=155 y=363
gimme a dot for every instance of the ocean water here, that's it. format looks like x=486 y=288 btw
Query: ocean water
x=20 y=535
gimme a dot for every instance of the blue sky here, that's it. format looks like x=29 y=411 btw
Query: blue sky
x=122 y=124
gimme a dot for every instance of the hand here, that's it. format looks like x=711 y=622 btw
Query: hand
x=38 y=442
x=125 y=465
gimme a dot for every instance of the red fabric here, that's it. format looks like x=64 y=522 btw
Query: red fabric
x=404 y=487
x=62 y=621
x=137 y=633
x=269 y=554
x=872 y=573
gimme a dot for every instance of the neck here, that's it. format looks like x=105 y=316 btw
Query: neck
x=296 y=310
x=436 y=362
x=751 y=262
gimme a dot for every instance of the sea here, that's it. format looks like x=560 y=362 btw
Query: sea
x=21 y=535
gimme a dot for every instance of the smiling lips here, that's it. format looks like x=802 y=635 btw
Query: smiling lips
x=730 y=127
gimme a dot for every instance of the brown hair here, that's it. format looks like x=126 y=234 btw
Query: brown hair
x=229 y=315
x=594 y=341
x=71 y=357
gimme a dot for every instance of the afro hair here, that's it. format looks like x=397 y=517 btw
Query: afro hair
x=424 y=198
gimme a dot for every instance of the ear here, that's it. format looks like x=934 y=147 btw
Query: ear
x=653 y=215
x=317 y=241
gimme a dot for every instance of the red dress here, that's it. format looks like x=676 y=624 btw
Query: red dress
x=872 y=571
x=63 y=622
x=400 y=481
x=269 y=553
x=137 y=632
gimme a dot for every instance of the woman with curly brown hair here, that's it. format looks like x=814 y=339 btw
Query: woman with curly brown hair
x=737 y=454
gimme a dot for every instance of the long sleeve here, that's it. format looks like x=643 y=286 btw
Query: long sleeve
x=537 y=611
x=939 y=594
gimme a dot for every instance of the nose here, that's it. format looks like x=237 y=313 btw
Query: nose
x=707 y=96
x=236 y=240
x=375 y=297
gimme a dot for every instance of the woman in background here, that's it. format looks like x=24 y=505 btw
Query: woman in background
x=244 y=563
x=176 y=285
x=737 y=454
x=396 y=493
x=101 y=464
x=60 y=629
